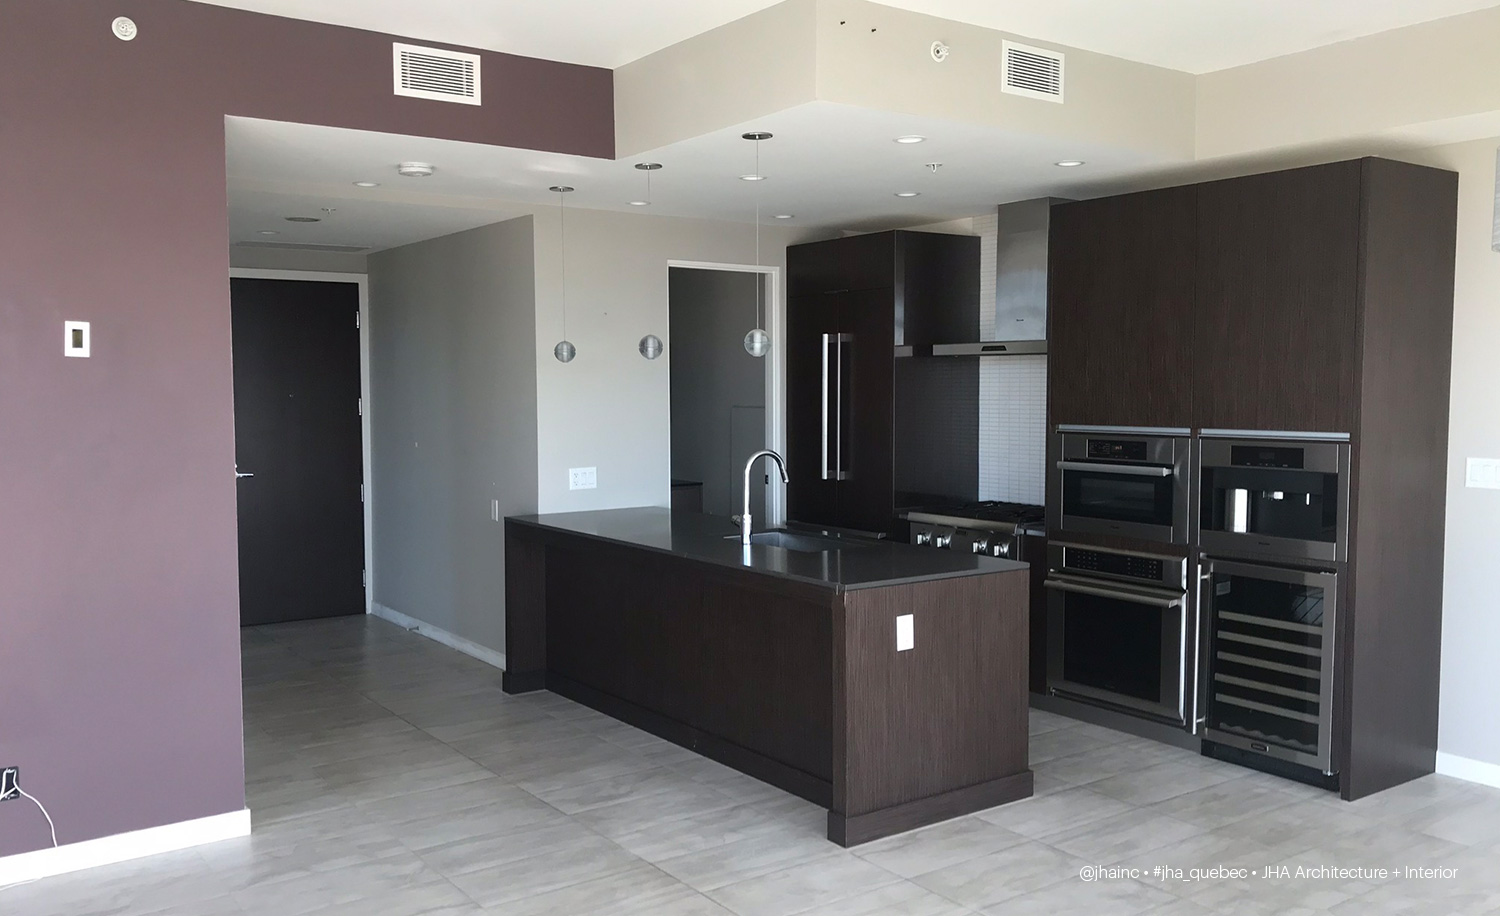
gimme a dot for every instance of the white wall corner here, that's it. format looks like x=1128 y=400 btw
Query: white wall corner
x=122 y=847
x=1467 y=768
x=439 y=635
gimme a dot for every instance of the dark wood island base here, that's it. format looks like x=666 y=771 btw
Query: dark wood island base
x=784 y=664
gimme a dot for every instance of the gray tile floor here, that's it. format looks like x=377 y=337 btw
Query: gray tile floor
x=389 y=776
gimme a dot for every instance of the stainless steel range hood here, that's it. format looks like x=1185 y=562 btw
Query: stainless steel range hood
x=1020 y=306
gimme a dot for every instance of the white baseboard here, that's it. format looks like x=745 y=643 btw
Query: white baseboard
x=438 y=634
x=1479 y=771
x=44 y=863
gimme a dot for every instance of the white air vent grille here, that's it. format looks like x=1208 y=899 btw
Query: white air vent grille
x=433 y=73
x=304 y=246
x=1033 y=72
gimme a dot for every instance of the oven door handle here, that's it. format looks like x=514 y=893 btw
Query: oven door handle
x=1133 y=470
x=1133 y=597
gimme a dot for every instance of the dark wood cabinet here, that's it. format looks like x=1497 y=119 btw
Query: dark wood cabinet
x=851 y=302
x=1121 y=309
x=1309 y=300
x=1277 y=288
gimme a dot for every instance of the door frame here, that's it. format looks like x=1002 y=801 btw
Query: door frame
x=775 y=374
x=363 y=282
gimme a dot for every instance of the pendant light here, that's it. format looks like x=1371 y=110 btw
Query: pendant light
x=564 y=351
x=757 y=341
x=648 y=168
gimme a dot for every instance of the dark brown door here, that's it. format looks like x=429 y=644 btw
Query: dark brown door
x=865 y=414
x=810 y=497
x=297 y=431
x=1120 y=310
x=1277 y=285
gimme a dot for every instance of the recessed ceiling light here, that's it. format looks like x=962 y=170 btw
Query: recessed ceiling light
x=367 y=184
x=415 y=169
x=752 y=178
x=908 y=193
x=640 y=203
x=1070 y=163
x=269 y=232
x=910 y=138
x=304 y=219
x=784 y=216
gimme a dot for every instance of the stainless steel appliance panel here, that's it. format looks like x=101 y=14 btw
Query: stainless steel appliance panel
x=1121 y=632
x=1127 y=483
x=1274 y=498
x=1270 y=666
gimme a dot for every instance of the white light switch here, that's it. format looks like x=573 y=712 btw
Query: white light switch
x=75 y=338
x=583 y=478
x=1483 y=473
x=494 y=510
x=906 y=636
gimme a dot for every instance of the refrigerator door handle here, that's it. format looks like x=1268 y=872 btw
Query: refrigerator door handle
x=827 y=470
x=840 y=469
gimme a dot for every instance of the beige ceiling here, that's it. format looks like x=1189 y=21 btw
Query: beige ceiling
x=1193 y=35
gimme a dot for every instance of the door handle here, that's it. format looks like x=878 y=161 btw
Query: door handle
x=840 y=469
x=827 y=471
x=1130 y=470
x=240 y=474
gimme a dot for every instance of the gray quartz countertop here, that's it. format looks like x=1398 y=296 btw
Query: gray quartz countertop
x=845 y=565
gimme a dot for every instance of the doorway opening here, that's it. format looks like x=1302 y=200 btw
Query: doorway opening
x=725 y=403
x=302 y=457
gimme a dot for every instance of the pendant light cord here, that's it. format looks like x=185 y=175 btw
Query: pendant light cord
x=562 y=257
x=759 y=296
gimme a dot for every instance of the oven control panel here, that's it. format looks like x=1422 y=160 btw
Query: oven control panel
x=1117 y=449
x=1169 y=572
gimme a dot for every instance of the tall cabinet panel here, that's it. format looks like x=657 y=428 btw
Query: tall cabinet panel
x=812 y=494
x=1278 y=269
x=1120 y=309
x=850 y=303
x=864 y=415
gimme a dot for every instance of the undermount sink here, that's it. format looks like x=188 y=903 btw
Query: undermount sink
x=786 y=540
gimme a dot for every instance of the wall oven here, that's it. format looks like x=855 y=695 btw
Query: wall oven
x=1121 y=481
x=1120 y=632
x=1270 y=665
x=1278 y=497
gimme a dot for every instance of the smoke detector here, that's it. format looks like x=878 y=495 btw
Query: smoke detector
x=124 y=28
x=415 y=169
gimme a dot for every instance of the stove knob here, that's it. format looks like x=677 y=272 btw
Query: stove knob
x=924 y=538
x=1001 y=549
x=943 y=541
x=981 y=545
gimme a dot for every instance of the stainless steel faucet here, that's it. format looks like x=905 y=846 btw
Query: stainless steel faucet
x=744 y=518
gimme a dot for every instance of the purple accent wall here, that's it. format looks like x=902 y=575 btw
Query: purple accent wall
x=119 y=619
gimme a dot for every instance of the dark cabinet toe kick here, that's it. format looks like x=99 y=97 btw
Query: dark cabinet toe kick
x=863 y=828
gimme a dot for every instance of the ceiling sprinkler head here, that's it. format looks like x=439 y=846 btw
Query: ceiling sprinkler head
x=934 y=166
x=940 y=51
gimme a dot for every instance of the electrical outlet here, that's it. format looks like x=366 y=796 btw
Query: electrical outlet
x=1483 y=473
x=10 y=778
x=906 y=633
x=583 y=478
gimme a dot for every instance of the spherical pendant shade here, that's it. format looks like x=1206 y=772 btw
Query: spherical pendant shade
x=757 y=343
x=565 y=351
x=651 y=346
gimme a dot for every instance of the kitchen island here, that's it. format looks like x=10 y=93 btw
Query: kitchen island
x=781 y=659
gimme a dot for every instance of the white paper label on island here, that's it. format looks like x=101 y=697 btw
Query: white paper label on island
x=905 y=633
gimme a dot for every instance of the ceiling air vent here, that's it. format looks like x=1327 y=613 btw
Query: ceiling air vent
x=1033 y=72
x=433 y=73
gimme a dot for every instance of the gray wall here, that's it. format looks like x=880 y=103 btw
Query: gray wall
x=715 y=383
x=454 y=422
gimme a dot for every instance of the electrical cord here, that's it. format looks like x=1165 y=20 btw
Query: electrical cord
x=42 y=808
x=51 y=827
